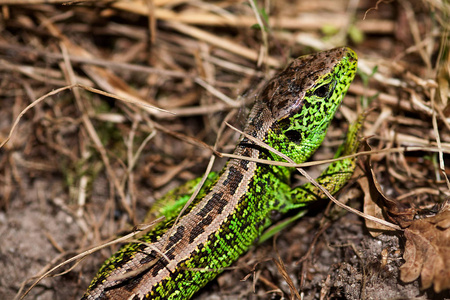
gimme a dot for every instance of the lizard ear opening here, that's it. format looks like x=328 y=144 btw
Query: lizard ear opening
x=294 y=136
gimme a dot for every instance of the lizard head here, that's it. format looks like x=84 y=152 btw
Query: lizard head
x=303 y=99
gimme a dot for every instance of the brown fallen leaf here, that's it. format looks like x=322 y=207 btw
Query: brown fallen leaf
x=377 y=204
x=427 y=252
x=370 y=207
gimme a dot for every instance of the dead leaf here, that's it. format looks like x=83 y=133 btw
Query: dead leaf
x=379 y=205
x=427 y=252
x=370 y=207
x=395 y=211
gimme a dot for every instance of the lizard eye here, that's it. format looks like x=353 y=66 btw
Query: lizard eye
x=322 y=91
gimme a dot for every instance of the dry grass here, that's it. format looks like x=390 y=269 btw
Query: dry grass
x=151 y=83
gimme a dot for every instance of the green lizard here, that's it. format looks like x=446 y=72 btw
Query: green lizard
x=291 y=114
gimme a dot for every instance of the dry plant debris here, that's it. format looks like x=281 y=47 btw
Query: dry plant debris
x=427 y=248
x=151 y=84
x=427 y=252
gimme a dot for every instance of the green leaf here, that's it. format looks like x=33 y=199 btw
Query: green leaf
x=356 y=35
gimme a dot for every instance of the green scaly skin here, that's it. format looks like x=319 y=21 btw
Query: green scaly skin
x=292 y=115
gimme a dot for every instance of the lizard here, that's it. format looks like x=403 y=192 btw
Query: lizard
x=291 y=114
